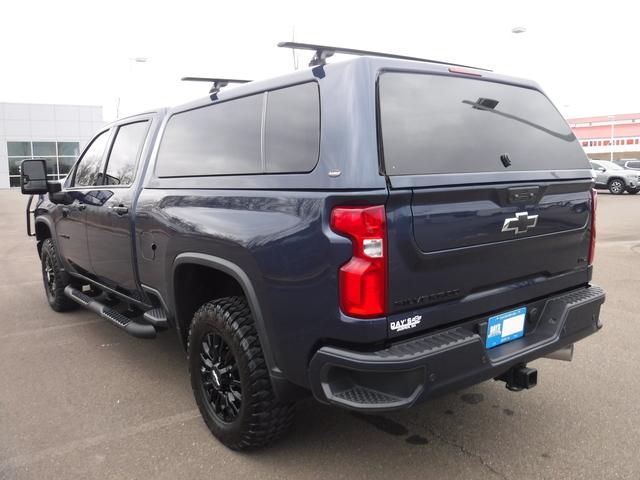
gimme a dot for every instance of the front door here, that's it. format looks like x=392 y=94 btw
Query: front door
x=71 y=227
x=109 y=211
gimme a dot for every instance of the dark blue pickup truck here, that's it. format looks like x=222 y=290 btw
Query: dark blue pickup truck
x=375 y=231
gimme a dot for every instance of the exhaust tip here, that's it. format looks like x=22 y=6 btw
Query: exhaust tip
x=565 y=354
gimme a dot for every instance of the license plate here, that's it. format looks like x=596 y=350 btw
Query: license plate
x=505 y=327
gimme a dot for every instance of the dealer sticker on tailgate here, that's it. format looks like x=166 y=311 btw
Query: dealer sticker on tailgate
x=505 y=327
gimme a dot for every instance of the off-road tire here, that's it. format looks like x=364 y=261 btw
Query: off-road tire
x=262 y=418
x=633 y=191
x=616 y=186
x=55 y=279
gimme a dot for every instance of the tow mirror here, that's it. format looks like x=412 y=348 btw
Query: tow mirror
x=33 y=177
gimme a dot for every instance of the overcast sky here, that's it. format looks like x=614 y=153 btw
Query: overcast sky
x=584 y=54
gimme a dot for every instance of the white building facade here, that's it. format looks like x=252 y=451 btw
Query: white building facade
x=610 y=137
x=56 y=133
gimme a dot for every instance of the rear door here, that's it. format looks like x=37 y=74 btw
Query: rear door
x=490 y=196
x=109 y=228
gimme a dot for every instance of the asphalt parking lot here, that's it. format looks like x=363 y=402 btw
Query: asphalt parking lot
x=81 y=399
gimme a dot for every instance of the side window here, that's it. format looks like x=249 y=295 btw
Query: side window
x=292 y=129
x=123 y=159
x=230 y=138
x=633 y=164
x=218 y=139
x=89 y=166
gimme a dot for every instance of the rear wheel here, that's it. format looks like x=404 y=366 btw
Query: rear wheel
x=54 y=278
x=230 y=379
x=616 y=186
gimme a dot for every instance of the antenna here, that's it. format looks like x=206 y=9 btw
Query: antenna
x=218 y=83
x=322 y=52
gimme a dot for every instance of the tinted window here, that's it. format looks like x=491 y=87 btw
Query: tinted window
x=88 y=169
x=19 y=149
x=443 y=124
x=44 y=149
x=633 y=164
x=121 y=166
x=223 y=138
x=292 y=129
x=68 y=149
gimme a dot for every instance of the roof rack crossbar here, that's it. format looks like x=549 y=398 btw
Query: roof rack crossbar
x=217 y=83
x=322 y=52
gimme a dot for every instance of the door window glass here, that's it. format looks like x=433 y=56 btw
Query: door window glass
x=89 y=166
x=121 y=167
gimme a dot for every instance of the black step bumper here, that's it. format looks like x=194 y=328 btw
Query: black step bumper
x=431 y=365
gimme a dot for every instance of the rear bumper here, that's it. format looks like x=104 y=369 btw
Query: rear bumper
x=423 y=367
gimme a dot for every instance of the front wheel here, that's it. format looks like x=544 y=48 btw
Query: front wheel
x=633 y=191
x=616 y=186
x=55 y=278
x=230 y=379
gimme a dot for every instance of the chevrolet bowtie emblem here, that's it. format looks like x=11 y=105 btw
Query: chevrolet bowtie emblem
x=521 y=223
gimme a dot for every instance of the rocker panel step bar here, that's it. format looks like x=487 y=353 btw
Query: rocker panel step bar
x=156 y=317
x=133 y=328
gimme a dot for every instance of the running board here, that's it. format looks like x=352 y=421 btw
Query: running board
x=133 y=328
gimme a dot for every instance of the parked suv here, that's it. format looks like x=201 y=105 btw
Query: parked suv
x=375 y=232
x=616 y=179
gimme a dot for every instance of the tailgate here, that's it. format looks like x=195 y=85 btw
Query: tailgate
x=448 y=219
x=450 y=257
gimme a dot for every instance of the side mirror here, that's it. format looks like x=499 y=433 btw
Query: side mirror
x=33 y=177
x=602 y=169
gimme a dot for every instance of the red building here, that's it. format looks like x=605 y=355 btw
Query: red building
x=602 y=138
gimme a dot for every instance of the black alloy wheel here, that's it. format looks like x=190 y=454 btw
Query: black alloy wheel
x=49 y=276
x=220 y=379
x=230 y=378
x=54 y=277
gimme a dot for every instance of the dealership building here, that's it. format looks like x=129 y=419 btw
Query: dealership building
x=609 y=135
x=55 y=133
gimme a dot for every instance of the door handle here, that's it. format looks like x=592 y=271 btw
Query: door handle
x=120 y=209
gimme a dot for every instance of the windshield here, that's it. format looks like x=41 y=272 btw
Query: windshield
x=433 y=124
x=610 y=165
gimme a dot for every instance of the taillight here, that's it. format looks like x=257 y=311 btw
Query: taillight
x=594 y=204
x=363 y=279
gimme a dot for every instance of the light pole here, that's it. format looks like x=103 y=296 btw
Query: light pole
x=132 y=60
x=612 y=118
